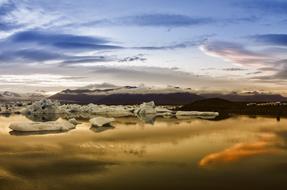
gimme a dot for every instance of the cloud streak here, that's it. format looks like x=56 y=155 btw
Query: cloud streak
x=265 y=6
x=62 y=41
x=154 y=20
x=235 y=53
x=271 y=39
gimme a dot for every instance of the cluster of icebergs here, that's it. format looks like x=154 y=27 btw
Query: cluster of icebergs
x=98 y=115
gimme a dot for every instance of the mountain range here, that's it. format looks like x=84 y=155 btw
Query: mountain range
x=126 y=95
x=12 y=96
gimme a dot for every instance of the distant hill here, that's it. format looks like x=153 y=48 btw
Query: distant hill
x=179 y=98
x=226 y=107
x=127 y=95
x=249 y=97
x=12 y=96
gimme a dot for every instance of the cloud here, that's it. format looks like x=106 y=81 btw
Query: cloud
x=27 y=55
x=270 y=68
x=42 y=56
x=80 y=60
x=265 y=6
x=67 y=49
x=44 y=80
x=165 y=20
x=133 y=59
x=35 y=46
x=235 y=53
x=280 y=74
x=6 y=8
x=22 y=15
x=62 y=41
x=181 y=45
x=254 y=73
x=160 y=76
x=234 y=69
x=271 y=39
x=154 y=20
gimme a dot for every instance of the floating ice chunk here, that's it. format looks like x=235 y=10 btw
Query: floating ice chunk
x=101 y=121
x=44 y=106
x=41 y=126
x=74 y=121
x=162 y=110
x=112 y=111
x=146 y=108
x=92 y=109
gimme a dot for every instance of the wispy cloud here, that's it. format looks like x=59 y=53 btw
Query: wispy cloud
x=271 y=39
x=6 y=7
x=154 y=20
x=166 y=20
x=269 y=67
x=234 y=69
x=265 y=6
x=45 y=80
x=68 y=49
x=235 y=53
x=62 y=41
x=139 y=57
x=38 y=46
x=20 y=15
x=181 y=45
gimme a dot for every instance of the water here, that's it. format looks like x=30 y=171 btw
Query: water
x=237 y=153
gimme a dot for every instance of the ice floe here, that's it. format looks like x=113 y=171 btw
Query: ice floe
x=41 y=126
x=101 y=121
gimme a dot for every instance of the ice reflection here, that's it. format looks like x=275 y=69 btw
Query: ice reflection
x=101 y=129
x=28 y=133
x=43 y=117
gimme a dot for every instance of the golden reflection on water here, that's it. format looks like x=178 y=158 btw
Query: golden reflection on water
x=170 y=154
x=264 y=145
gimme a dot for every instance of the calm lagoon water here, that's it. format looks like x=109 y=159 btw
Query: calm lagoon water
x=240 y=152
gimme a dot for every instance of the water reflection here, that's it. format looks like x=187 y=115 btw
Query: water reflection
x=28 y=133
x=264 y=145
x=43 y=117
x=101 y=129
x=170 y=154
x=147 y=118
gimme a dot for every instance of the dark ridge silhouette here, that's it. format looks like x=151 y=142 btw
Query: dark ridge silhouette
x=119 y=96
x=228 y=107
x=247 y=97
x=127 y=99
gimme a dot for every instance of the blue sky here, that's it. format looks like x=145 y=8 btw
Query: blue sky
x=210 y=45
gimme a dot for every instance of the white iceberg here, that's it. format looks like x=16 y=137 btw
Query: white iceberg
x=111 y=111
x=41 y=126
x=146 y=108
x=101 y=121
x=92 y=109
x=74 y=121
x=44 y=106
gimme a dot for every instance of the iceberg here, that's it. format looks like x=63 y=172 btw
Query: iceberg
x=146 y=108
x=44 y=106
x=74 y=121
x=41 y=126
x=101 y=121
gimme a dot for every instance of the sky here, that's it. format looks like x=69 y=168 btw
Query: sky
x=207 y=45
